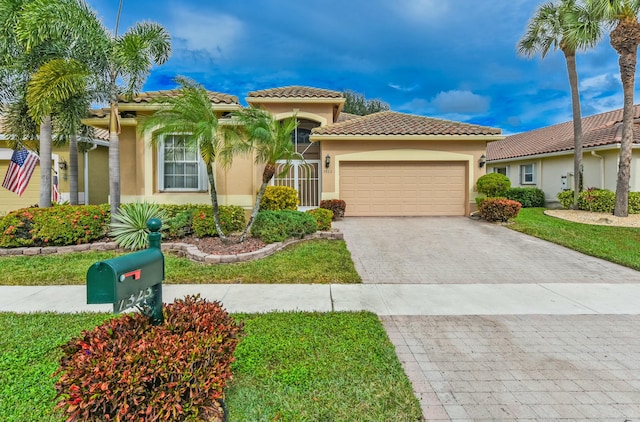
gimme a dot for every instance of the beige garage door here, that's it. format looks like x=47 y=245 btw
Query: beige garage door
x=403 y=188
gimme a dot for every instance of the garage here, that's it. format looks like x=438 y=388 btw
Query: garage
x=404 y=188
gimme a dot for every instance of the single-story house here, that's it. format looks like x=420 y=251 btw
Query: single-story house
x=543 y=158
x=93 y=170
x=383 y=164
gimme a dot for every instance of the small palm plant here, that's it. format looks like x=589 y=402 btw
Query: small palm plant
x=130 y=225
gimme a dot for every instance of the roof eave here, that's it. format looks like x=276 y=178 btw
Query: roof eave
x=558 y=153
x=296 y=100
x=483 y=138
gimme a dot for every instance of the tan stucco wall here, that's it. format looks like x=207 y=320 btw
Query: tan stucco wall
x=400 y=150
x=549 y=172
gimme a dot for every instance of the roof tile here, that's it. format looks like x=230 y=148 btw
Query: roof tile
x=295 y=92
x=598 y=130
x=386 y=123
x=147 y=97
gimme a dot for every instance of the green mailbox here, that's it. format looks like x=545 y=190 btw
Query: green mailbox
x=131 y=280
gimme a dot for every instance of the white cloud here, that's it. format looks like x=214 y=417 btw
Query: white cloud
x=421 y=10
x=216 y=34
x=600 y=84
x=399 y=87
x=462 y=102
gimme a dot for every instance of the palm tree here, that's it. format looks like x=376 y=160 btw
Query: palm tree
x=191 y=113
x=622 y=16
x=131 y=57
x=257 y=131
x=568 y=27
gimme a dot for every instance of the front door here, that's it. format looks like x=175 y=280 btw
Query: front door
x=303 y=176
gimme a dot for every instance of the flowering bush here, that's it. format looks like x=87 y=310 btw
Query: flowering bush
x=129 y=370
x=499 y=209
x=54 y=226
x=337 y=206
x=323 y=218
x=232 y=219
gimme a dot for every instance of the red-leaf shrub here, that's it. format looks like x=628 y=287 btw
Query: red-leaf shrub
x=337 y=206
x=499 y=209
x=323 y=218
x=129 y=370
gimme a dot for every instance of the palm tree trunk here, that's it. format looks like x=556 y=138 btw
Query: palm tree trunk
x=45 y=163
x=267 y=175
x=214 y=202
x=625 y=39
x=570 y=58
x=114 y=153
x=73 y=170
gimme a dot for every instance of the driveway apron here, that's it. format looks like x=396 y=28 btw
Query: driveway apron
x=442 y=250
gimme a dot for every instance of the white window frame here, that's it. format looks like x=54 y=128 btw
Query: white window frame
x=524 y=173
x=506 y=170
x=202 y=171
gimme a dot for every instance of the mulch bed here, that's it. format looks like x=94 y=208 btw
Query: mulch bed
x=215 y=246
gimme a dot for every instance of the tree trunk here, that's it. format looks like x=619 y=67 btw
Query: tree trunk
x=625 y=39
x=214 y=202
x=570 y=58
x=45 y=163
x=267 y=175
x=73 y=169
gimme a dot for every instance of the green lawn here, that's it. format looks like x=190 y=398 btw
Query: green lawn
x=616 y=244
x=313 y=261
x=291 y=366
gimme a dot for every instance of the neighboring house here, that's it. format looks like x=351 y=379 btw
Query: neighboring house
x=383 y=164
x=93 y=170
x=543 y=158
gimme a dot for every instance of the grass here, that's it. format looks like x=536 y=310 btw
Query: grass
x=616 y=244
x=313 y=261
x=291 y=366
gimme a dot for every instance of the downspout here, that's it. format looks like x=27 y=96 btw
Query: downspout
x=593 y=153
x=86 y=173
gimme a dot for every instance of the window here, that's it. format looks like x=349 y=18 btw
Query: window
x=528 y=174
x=501 y=170
x=180 y=168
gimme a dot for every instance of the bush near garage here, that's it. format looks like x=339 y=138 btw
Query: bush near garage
x=277 y=226
x=323 y=218
x=277 y=198
x=499 y=209
x=528 y=197
x=232 y=219
x=129 y=370
x=337 y=206
x=493 y=185
x=60 y=225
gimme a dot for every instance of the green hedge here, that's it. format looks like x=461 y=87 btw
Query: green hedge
x=528 y=197
x=60 y=225
x=323 y=217
x=598 y=200
x=232 y=219
x=493 y=185
x=276 y=226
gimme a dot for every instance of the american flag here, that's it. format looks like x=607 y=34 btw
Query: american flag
x=21 y=168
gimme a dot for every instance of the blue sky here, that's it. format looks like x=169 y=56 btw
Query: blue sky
x=453 y=59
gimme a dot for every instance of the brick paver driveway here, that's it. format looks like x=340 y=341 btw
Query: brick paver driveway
x=501 y=367
x=461 y=250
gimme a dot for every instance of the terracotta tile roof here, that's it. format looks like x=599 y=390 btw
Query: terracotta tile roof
x=295 y=92
x=343 y=117
x=147 y=97
x=102 y=134
x=598 y=130
x=394 y=123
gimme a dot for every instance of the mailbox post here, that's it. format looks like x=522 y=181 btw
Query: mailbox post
x=131 y=280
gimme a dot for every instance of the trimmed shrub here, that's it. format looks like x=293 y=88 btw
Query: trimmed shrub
x=493 y=185
x=232 y=219
x=130 y=230
x=276 y=226
x=337 y=206
x=597 y=200
x=323 y=218
x=499 y=209
x=566 y=199
x=634 y=202
x=61 y=225
x=278 y=198
x=480 y=200
x=129 y=370
x=528 y=197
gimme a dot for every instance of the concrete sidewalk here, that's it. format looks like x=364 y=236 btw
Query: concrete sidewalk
x=382 y=299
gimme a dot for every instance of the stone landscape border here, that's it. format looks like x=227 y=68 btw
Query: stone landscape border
x=184 y=249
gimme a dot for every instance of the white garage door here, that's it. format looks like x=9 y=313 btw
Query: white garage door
x=403 y=188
